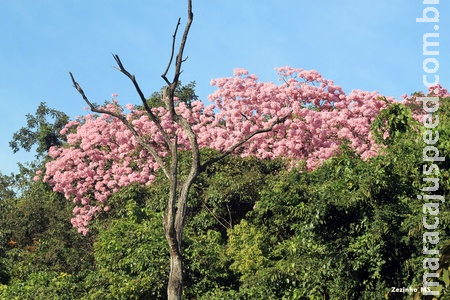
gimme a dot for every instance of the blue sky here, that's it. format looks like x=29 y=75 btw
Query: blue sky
x=360 y=44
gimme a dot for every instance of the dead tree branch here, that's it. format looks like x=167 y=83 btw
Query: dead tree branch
x=240 y=143
x=174 y=38
x=144 y=143
x=152 y=116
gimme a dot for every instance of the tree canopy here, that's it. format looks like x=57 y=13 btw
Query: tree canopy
x=102 y=155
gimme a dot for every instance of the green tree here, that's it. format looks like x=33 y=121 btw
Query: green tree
x=42 y=130
x=6 y=190
x=38 y=235
x=130 y=251
x=185 y=94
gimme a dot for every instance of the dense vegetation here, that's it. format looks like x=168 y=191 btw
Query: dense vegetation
x=255 y=229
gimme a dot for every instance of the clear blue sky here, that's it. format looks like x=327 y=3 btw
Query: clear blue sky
x=360 y=44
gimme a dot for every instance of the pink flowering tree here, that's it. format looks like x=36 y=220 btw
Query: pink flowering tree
x=305 y=118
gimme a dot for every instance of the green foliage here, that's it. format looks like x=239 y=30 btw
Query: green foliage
x=185 y=93
x=131 y=261
x=42 y=285
x=254 y=230
x=247 y=245
x=415 y=222
x=395 y=120
x=40 y=252
x=206 y=263
x=339 y=227
x=39 y=236
x=42 y=130
x=130 y=251
x=227 y=190
x=220 y=198
x=6 y=191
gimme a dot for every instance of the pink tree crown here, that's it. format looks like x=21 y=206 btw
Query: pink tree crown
x=102 y=155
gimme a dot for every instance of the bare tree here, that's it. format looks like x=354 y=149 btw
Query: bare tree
x=175 y=213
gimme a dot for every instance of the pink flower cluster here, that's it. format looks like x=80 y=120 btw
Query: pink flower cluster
x=102 y=155
x=321 y=116
x=438 y=91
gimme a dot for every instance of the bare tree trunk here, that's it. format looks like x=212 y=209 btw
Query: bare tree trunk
x=174 y=218
x=175 y=213
x=175 y=285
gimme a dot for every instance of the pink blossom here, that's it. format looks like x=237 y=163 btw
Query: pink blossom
x=240 y=71
x=102 y=155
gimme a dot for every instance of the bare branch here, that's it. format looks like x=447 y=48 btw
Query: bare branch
x=217 y=219
x=145 y=144
x=179 y=61
x=152 y=116
x=168 y=98
x=174 y=36
x=240 y=143
x=231 y=218
x=179 y=57
x=80 y=90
